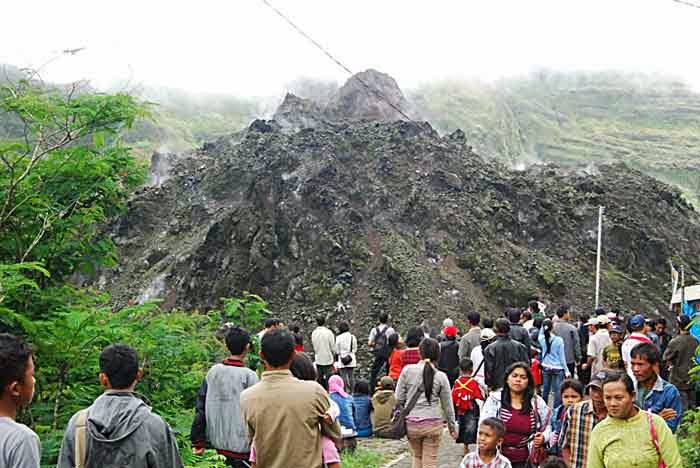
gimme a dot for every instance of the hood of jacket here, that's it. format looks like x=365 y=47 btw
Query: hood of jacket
x=383 y=396
x=115 y=416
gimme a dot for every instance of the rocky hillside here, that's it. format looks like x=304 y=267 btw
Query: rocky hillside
x=321 y=212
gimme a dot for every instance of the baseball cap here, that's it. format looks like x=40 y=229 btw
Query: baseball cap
x=602 y=320
x=612 y=316
x=616 y=329
x=683 y=321
x=597 y=380
x=450 y=330
x=637 y=321
x=487 y=334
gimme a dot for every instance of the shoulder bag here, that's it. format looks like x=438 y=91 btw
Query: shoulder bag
x=655 y=439
x=399 y=413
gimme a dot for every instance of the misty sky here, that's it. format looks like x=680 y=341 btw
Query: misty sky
x=242 y=47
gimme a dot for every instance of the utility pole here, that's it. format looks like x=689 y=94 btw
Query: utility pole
x=597 y=268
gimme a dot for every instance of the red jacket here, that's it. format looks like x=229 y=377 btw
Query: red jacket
x=464 y=392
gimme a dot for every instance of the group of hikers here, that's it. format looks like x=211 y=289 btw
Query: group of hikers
x=524 y=390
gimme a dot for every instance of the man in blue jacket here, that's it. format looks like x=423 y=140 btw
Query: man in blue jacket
x=654 y=393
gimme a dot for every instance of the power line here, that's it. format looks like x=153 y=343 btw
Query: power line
x=690 y=4
x=338 y=62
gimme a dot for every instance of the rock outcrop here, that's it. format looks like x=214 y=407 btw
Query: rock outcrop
x=324 y=213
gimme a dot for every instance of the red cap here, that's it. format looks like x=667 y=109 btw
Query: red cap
x=450 y=330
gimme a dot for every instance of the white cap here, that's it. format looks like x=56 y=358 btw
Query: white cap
x=591 y=321
x=602 y=320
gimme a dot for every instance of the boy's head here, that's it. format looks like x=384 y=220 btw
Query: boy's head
x=361 y=387
x=272 y=323
x=237 y=341
x=321 y=320
x=119 y=367
x=466 y=366
x=277 y=348
x=554 y=462
x=393 y=340
x=303 y=367
x=16 y=370
x=491 y=432
x=386 y=383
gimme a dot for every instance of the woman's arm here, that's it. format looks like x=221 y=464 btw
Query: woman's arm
x=490 y=408
x=562 y=357
x=446 y=402
x=401 y=388
x=545 y=416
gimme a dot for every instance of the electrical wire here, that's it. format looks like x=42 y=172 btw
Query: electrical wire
x=337 y=62
x=690 y=4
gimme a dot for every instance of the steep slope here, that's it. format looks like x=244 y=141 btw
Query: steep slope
x=355 y=217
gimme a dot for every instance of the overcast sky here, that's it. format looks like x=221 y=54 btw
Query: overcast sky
x=242 y=47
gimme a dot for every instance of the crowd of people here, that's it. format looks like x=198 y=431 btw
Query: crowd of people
x=524 y=390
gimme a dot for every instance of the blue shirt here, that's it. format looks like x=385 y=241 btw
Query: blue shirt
x=346 y=410
x=363 y=407
x=662 y=395
x=555 y=358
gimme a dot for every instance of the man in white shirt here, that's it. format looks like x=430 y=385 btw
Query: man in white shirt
x=637 y=324
x=323 y=342
x=597 y=343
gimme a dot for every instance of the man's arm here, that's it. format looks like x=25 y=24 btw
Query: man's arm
x=674 y=402
x=66 y=457
x=577 y=343
x=489 y=368
x=462 y=351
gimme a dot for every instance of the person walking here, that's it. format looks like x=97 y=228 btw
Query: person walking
x=552 y=362
x=346 y=350
x=119 y=429
x=680 y=358
x=471 y=339
x=19 y=445
x=433 y=405
x=286 y=416
x=638 y=326
x=517 y=331
x=218 y=420
x=654 y=393
x=569 y=333
x=323 y=342
x=411 y=355
x=574 y=435
x=449 y=355
x=500 y=354
x=630 y=436
x=378 y=342
x=477 y=355
x=597 y=344
x=526 y=416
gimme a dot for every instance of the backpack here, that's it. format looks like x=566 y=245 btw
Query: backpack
x=80 y=444
x=381 y=344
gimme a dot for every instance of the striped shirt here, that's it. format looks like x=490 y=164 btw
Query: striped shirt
x=576 y=430
x=472 y=460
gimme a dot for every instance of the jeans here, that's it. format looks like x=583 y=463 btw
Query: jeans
x=347 y=374
x=552 y=380
x=424 y=443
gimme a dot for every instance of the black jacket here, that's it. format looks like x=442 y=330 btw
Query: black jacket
x=520 y=334
x=499 y=355
x=449 y=357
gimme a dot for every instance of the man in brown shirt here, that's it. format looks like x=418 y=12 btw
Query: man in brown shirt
x=284 y=415
x=680 y=357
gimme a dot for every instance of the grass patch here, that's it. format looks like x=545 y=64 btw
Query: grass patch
x=363 y=458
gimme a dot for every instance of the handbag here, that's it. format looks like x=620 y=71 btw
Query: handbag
x=655 y=439
x=347 y=359
x=398 y=416
x=539 y=455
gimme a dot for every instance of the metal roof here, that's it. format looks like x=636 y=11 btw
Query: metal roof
x=692 y=293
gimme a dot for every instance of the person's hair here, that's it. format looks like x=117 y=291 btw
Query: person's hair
x=562 y=310
x=343 y=327
x=584 y=317
x=383 y=317
x=534 y=352
x=272 y=322
x=361 y=387
x=572 y=384
x=547 y=326
x=537 y=323
x=303 y=367
x=661 y=321
x=277 y=346
x=554 y=462
x=529 y=391
x=487 y=322
x=613 y=376
x=533 y=305
x=429 y=349
x=320 y=320
x=414 y=337
x=120 y=363
x=237 y=340
x=474 y=318
x=298 y=339
x=526 y=315
x=502 y=325
x=14 y=359
x=466 y=364
x=393 y=340
x=513 y=315
x=601 y=326
x=497 y=425
x=295 y=328
x=647 y=351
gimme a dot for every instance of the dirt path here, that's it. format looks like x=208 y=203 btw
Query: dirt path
x=449 y=456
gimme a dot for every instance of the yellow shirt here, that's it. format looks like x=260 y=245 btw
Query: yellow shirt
x=627 y=443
